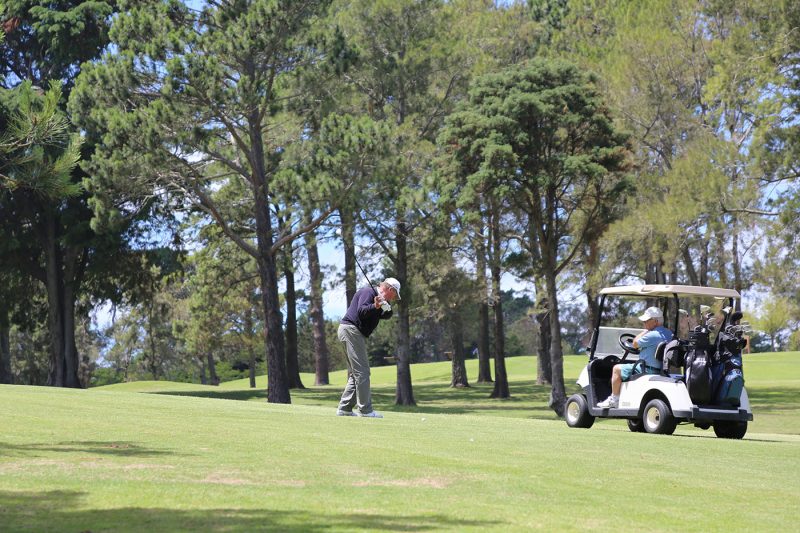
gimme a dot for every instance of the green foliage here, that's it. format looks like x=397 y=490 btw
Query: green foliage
x=694 y=83
x=47 y=41
x=777 y=319
x=526 y=126
x=174 y=100
x=226 y=112
x=106 y=376
x=37 y=150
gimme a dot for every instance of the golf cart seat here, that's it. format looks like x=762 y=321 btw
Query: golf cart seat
x=671 y=357
x=660 y=351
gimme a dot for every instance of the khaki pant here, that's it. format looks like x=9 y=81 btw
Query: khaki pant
x=356 y=392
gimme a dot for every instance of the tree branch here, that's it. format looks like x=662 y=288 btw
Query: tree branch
x=726 y=210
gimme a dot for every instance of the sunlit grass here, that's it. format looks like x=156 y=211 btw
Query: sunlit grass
x=772 y=380
x=114 y=460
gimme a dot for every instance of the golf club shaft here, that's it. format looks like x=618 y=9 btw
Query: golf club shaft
x=363 y=272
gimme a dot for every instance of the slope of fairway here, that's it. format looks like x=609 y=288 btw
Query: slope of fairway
x=773 y=382
x=99 y=461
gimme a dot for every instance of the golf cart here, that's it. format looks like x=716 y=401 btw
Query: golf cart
x=701 y=381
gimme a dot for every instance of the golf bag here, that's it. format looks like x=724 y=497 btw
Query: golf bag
x=698 y=367
x=727 y=372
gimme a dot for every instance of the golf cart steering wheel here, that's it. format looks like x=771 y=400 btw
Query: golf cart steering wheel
x=626 y=343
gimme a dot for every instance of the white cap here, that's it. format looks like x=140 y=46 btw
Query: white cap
x=393 y=283
x=651 y=312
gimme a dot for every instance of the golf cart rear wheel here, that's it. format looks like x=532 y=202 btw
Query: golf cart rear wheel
x=576 y=412
x=657 y=418
x=730 y=429
x=636 y=425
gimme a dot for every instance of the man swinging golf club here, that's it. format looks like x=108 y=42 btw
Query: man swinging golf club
x=368 y=307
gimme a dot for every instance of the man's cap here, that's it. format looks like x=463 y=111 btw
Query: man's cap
x=651 y=312
x=393 y=283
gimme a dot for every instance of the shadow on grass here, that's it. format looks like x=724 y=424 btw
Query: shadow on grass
x=711 y=435
x=121 y=449
x=432 y=398
x=773 y=399
x=222 y=394
x=527 y=399
x=60 y=511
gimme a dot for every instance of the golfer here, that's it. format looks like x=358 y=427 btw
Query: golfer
x=368 y=307
x=647 y=341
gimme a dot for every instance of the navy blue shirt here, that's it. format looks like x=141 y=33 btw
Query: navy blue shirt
x=362 y=313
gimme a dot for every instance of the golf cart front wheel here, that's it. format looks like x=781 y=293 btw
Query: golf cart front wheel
x=658 y=419
x=576 y=412
x=730 y=429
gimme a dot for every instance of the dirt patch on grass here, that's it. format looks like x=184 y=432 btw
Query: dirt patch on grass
x=223 y=479
x=147 y=466
x=433 y=483
x=81 y=463
x=235 y=478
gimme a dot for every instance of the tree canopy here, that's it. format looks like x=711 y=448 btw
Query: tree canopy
x=210 y=171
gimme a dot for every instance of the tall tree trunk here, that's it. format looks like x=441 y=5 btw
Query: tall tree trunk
x=128 y=357
x=55 y=307
x=558 y=394
x=459 y=369
x=292 y=364
x=315 y=312
x=277 y=379
x=349 y=241
x=694 y=279
x=544 y=371
x=249 y=331
x=62 y=278
x=201 y=367
x=661 y=277
x=738 y=282
x=71 y=358
x=6 y=376
x=404 y=394
x=35 y=376
x=722 y=260
x=484 y=366
x=212 y=369
x=500 y=375
x=153 y=364
x=704 y=263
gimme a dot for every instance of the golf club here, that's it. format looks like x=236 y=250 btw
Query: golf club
x=385 y=306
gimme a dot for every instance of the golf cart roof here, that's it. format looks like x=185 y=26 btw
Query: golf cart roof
x=669 y=290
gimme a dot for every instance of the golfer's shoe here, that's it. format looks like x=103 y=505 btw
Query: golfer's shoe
x=608 y=403
x=340 y=412
x=371 y=414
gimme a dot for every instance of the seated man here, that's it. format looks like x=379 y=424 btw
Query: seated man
x=647 y=341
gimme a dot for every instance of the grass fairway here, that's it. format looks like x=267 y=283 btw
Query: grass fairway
x=113 y=459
